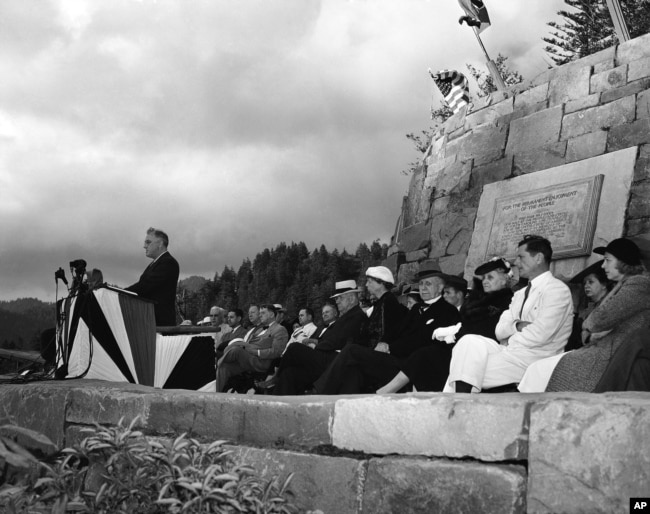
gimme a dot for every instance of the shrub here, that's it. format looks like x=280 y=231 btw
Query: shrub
x=118 y=470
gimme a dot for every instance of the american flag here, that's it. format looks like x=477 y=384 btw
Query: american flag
x=476 y=14
x=453 y=86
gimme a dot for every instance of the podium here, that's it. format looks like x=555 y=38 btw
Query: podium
x=106 y=334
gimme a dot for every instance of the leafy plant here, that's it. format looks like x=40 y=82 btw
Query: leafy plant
x=119 y=470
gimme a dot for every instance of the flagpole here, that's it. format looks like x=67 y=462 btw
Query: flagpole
x=492 y=67
x=618 y=20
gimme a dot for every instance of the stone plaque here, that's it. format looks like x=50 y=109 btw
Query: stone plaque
x=563 y=213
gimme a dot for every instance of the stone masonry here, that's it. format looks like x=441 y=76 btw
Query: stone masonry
x=408 y=453
x=597 y=105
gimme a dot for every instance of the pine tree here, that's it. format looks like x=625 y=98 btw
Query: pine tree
x=587 y=28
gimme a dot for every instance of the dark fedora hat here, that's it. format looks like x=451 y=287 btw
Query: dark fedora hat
x=623 y=249
x=458 y=283
x=429 y=269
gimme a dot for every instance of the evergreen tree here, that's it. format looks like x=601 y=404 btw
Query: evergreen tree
x=587 y=28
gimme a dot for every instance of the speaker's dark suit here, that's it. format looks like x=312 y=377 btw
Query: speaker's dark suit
x=158 y=283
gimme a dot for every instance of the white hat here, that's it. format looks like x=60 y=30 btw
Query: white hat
x=345 y=286
x=381 y=273
x=279 y=307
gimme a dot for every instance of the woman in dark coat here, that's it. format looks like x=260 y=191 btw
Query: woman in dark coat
x=624 y=313
x=426 y=368
x=387 y=315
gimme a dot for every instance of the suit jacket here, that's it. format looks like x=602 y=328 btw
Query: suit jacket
x=386 y=320
x=549 y=308
x=158 y=283
x=234 y=334
x=270 y=341
x=351 y=327
x=422 y=320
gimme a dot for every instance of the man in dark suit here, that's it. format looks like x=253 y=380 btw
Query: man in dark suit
x=256 y=354
x=302 y=364
x=237 y=331
x=360 y=369
x=159 y=280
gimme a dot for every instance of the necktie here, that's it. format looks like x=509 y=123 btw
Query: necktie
x=525 y=298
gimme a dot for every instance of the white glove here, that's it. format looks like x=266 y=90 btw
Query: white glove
x=446 y=334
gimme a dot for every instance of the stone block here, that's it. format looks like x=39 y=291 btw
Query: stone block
x=460 y=243
x=490 y=113
x=642 y=167
x=639 y=200
x=569 y=83
x=542 y=158
x=487 y=139
x=588 y=453
x=454 y=176
x=435 y=164
x=582 y=103
x=629 y=134
x=643 y=105
x=418 y=485
x=597 y=118
x=586 y=145
x=633 y=50
x=407 y=272
x=493 y=172
x=415 y=237
x=531 y=96
x=609 y=79
x=457 y=121
x=440 y=204
x=417 y=255
x=638 y=69
x=288 y=421
x=329 y=484
x=448 y=227
x=534 y=131
x=394 y=261
x=454 y=264
x=637 y=227
x=604 y=66
x=522 y=113
x=630 y=89
x=37 y=406
x=484 y=427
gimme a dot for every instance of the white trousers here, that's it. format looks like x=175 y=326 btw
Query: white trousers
x=484 y=363
x=538 y=374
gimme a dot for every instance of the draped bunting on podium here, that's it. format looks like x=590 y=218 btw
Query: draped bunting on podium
x=111 y=336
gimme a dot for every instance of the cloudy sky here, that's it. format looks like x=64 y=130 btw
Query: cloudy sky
x=233 y=125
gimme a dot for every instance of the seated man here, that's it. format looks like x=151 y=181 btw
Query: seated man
x=256 y=353
x=306 y=328
x=302 y=364
x=455 y=291
x=358 y=369
x=234 y=321
x=536 y=325
x=217 y=315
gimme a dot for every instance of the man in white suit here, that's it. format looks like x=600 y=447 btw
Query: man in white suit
x=536 y=325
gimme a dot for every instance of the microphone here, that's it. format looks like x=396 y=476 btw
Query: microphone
x=60 y=274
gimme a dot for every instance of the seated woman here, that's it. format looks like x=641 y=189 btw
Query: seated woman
x=595 y=286
x=623 y=313
x=427 y=368
x=387 y=315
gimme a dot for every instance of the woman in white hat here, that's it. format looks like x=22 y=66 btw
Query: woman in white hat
x=387 y=313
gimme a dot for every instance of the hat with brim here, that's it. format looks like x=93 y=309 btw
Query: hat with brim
x=278 y=307
x=458 y=283
x=429 y=269
x=345 y=286
x=594 y=269
x=486 y=267
x=381 y=273
x=623 y=249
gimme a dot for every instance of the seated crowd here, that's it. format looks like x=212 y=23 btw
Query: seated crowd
x=500 y=335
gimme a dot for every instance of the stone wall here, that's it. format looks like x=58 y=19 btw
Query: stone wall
x=426 y=452
x=597 y=105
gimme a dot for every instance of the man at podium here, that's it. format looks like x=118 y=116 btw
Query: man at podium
x=158 y=281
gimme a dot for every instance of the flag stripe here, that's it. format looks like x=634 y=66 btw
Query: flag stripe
x=454 y=88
